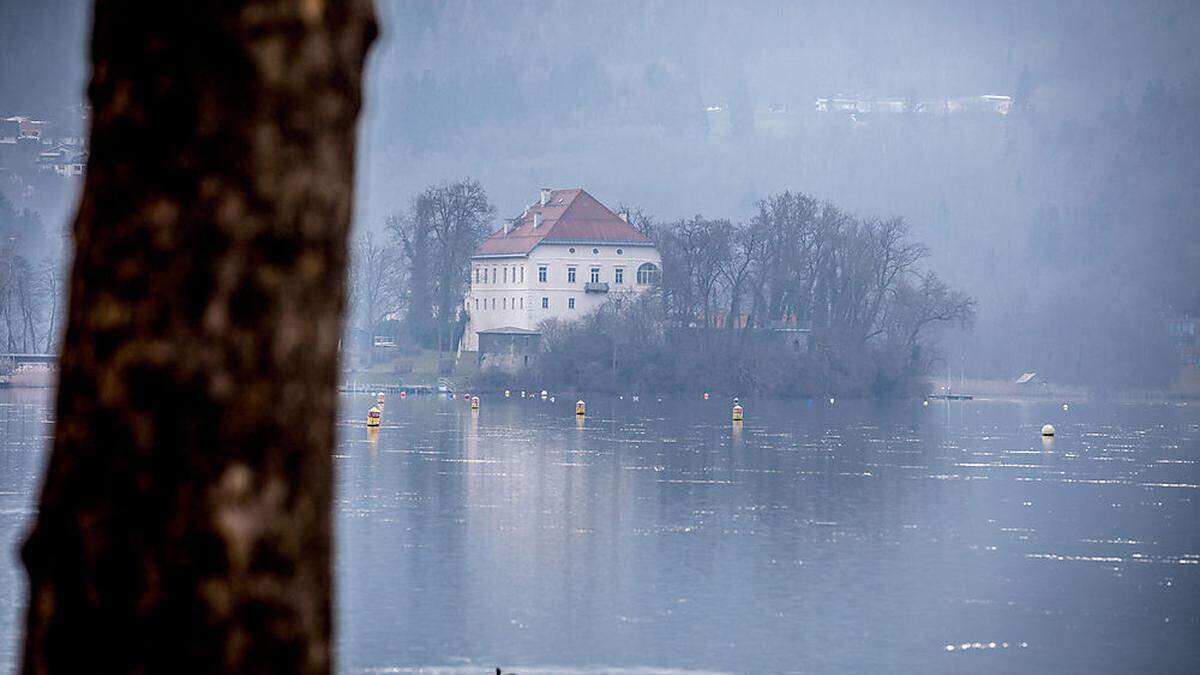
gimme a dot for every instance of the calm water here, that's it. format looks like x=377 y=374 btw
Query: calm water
x=858 y=537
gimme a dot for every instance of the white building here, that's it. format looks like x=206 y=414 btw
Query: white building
x=562 y=258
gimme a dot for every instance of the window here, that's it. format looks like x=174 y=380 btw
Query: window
x=522 y=303
x=476 y=303
x=493 y=275
x=493 y=303
x=572 y=249
x=570 y=303
x=595 y=251
x=522 y=274
x=545 y=303
x=570 y=275
x=504 y=302
x=542 y=273
x=647 y=273
x=619 y=251
x=595 y=275
x=476 y=277
x=506 y=275
x=619 y=275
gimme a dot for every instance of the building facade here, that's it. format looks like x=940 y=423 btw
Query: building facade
x=1183 y=330
x=563 y=257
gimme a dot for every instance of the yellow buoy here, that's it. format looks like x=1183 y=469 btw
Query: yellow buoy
x=580 y=407
x=374 y=416
x=737 y=412
x=474 y=403
x=1048 y=430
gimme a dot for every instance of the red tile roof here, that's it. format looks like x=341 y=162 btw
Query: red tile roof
x=569 y=217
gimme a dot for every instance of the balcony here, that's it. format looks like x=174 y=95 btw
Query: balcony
x=595 y=287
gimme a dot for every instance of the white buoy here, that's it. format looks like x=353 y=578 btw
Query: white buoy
x=1066 y=407
x=522 y=393
x=552 y=399
x=1048 y=430
x=925 y=403
x=635 y=398
x=544 y=394
x=507 y=393
x=830 y=401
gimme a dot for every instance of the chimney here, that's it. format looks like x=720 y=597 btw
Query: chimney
x=506 y=224
x=545 y=196
x=537 y=219
x=624 y=216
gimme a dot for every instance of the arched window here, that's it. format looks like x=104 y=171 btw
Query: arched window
x=647 y=273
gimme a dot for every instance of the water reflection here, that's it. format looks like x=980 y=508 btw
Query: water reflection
x=843 y=537
x=654 y=536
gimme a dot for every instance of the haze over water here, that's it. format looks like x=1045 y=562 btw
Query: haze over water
x=857 y=537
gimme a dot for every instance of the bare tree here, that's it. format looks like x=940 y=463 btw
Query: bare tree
x=376 y=287
x=919 y=308
x=443 y=227
x=184 y=522
x=640 y=220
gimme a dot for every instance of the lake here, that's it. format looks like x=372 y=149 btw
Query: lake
x=827 y=538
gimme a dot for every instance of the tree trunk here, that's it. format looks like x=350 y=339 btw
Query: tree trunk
x=184 y=523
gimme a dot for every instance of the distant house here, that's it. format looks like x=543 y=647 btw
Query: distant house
x=10 y=131
x=986 y=103
x=63 y=160
x=1183 y=328
x=563 y=257
x=508 y=348
x=28 y=127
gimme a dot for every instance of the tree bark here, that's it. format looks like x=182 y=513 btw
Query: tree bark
x=184 y=522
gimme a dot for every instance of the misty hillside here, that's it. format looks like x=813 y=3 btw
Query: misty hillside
x=1070 y=212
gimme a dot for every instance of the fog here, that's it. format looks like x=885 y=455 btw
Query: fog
x=1069 y=213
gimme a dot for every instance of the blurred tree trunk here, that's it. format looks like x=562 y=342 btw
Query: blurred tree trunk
x=184 y=523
